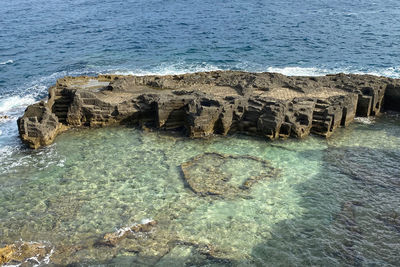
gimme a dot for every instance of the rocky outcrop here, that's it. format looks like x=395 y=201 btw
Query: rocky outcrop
x=161 y=246
x=25 y=253
x=226 y=176
x=39 y=126
x=203 y=104
x=112 y=239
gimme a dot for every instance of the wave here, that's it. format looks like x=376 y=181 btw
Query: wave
x=364 y=120
x=13 y=103
x=32 y=91
x=7 y=62
x=299 y=71
x=167 y=69
x=393 y=72
x=181 y=68
x=29 y=93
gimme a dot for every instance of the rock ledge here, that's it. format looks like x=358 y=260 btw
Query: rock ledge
x=202 y=104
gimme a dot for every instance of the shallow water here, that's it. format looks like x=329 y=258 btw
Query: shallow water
x=334 y=202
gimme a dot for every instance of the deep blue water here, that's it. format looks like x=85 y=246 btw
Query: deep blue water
x=48 y=39
x=41 y=41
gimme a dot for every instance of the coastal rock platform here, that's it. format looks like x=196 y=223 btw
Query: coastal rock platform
x=214 y=174
x=207 y=103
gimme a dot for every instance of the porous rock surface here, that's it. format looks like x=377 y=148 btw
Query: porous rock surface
x=25 y=254
x=212 y=174
x=202 y=104
x=111 y=239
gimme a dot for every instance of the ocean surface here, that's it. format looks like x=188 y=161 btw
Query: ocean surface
x=332 y=203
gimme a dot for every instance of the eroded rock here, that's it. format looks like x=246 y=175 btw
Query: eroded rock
x=112 y=239
x=194 y=254
x=29 y=253
x=225 y=175
x=220 y=102
x=39 y=126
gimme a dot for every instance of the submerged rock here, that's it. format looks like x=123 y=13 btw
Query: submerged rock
x=347 y=221
x=28 y=253
x=220 y=102
x=391 y=219
x=194 y=254
x=218 y=174
x=112 y=239
x=357 y=163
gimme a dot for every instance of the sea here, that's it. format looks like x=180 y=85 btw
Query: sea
x=331 y=202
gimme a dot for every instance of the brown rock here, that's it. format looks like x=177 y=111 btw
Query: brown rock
x=6 y=253
x=220 y=102
x=215 y=174
x=22 y=252
x=112 y=239
x=39 y=126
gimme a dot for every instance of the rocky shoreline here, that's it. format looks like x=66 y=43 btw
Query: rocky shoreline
x=203 y=104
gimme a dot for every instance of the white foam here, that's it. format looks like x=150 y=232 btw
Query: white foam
x=29 y=261
x=392 y=72
x=28 y=94
x=181 y=68
x=7 y=62
x=121 y=232
x=6 y=151
x=299 y=71
x=365 y=120
x=46 y=260
x=15 y=102
x=146 y=221
x=168 y=69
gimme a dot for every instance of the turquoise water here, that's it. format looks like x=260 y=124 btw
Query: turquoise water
x=329 y=203
x=333 y=202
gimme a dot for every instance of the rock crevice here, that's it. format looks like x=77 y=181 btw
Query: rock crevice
x=202 y=104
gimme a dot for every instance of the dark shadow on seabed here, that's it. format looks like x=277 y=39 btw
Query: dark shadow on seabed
x=353 y=222
x=344 y=205
x=386 y=122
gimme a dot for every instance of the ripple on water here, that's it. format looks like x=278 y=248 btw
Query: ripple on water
x=330 y=200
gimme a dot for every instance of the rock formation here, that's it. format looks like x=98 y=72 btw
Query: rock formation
x=202 y=104
x=111 y=239
x=27 y=253
x=216 y=174
x=159 y=246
